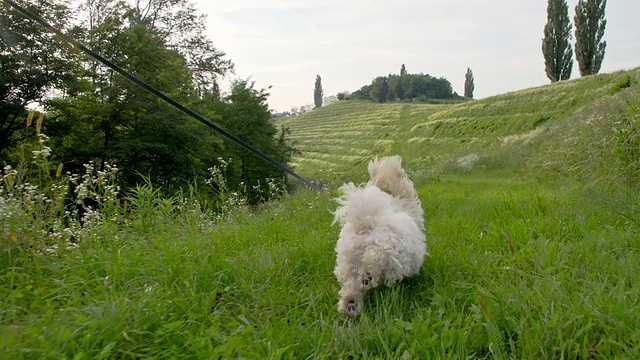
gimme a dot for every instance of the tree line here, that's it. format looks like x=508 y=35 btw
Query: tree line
x=590 y=23
x=403 y=86
x=94 y=114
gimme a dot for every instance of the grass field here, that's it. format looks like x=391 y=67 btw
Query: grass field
x=336 y=138
x=533 y=226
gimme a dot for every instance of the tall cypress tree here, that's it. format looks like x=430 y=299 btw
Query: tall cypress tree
x=590 y=24
x=469 y=85
x=556 y=44
x=317 y=93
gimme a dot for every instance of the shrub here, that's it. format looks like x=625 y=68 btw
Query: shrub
x=622 y=84
x=539 y=120
x=343 y=95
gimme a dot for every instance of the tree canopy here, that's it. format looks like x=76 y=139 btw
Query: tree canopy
x=380 y=89
x=405 y=86
x=32 y=63
x=96 y=114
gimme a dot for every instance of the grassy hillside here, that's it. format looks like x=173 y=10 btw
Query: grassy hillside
x=532 y=222
x=335 y=138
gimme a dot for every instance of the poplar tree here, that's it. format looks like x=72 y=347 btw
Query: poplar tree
x=317 y=93
x=403 y=70
x=556 y=44
x=469 y=85
x=590 y=24
x=399 y=85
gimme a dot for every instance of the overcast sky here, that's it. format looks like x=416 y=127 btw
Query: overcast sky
x=286 y=43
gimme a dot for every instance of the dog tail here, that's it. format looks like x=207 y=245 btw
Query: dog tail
x=361 y=205
x=387 y=174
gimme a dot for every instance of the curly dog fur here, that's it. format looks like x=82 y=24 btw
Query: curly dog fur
x=382 y=238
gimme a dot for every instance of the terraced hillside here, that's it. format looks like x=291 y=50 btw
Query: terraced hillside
x=335 y=138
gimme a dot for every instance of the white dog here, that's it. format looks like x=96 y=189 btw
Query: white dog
x=382 y=238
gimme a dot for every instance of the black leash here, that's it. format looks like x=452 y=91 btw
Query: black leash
x=159 y=94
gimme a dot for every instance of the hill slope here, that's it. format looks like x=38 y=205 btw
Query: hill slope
x=335 y=138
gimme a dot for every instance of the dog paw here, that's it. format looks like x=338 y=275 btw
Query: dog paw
x=366 y=279
x=352 y=306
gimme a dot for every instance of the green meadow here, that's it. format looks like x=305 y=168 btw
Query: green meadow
x=532 y=216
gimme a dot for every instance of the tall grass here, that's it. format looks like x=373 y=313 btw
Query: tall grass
x=42 y=208
x=518 y=268
x=598 y=145
x=534 y=243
